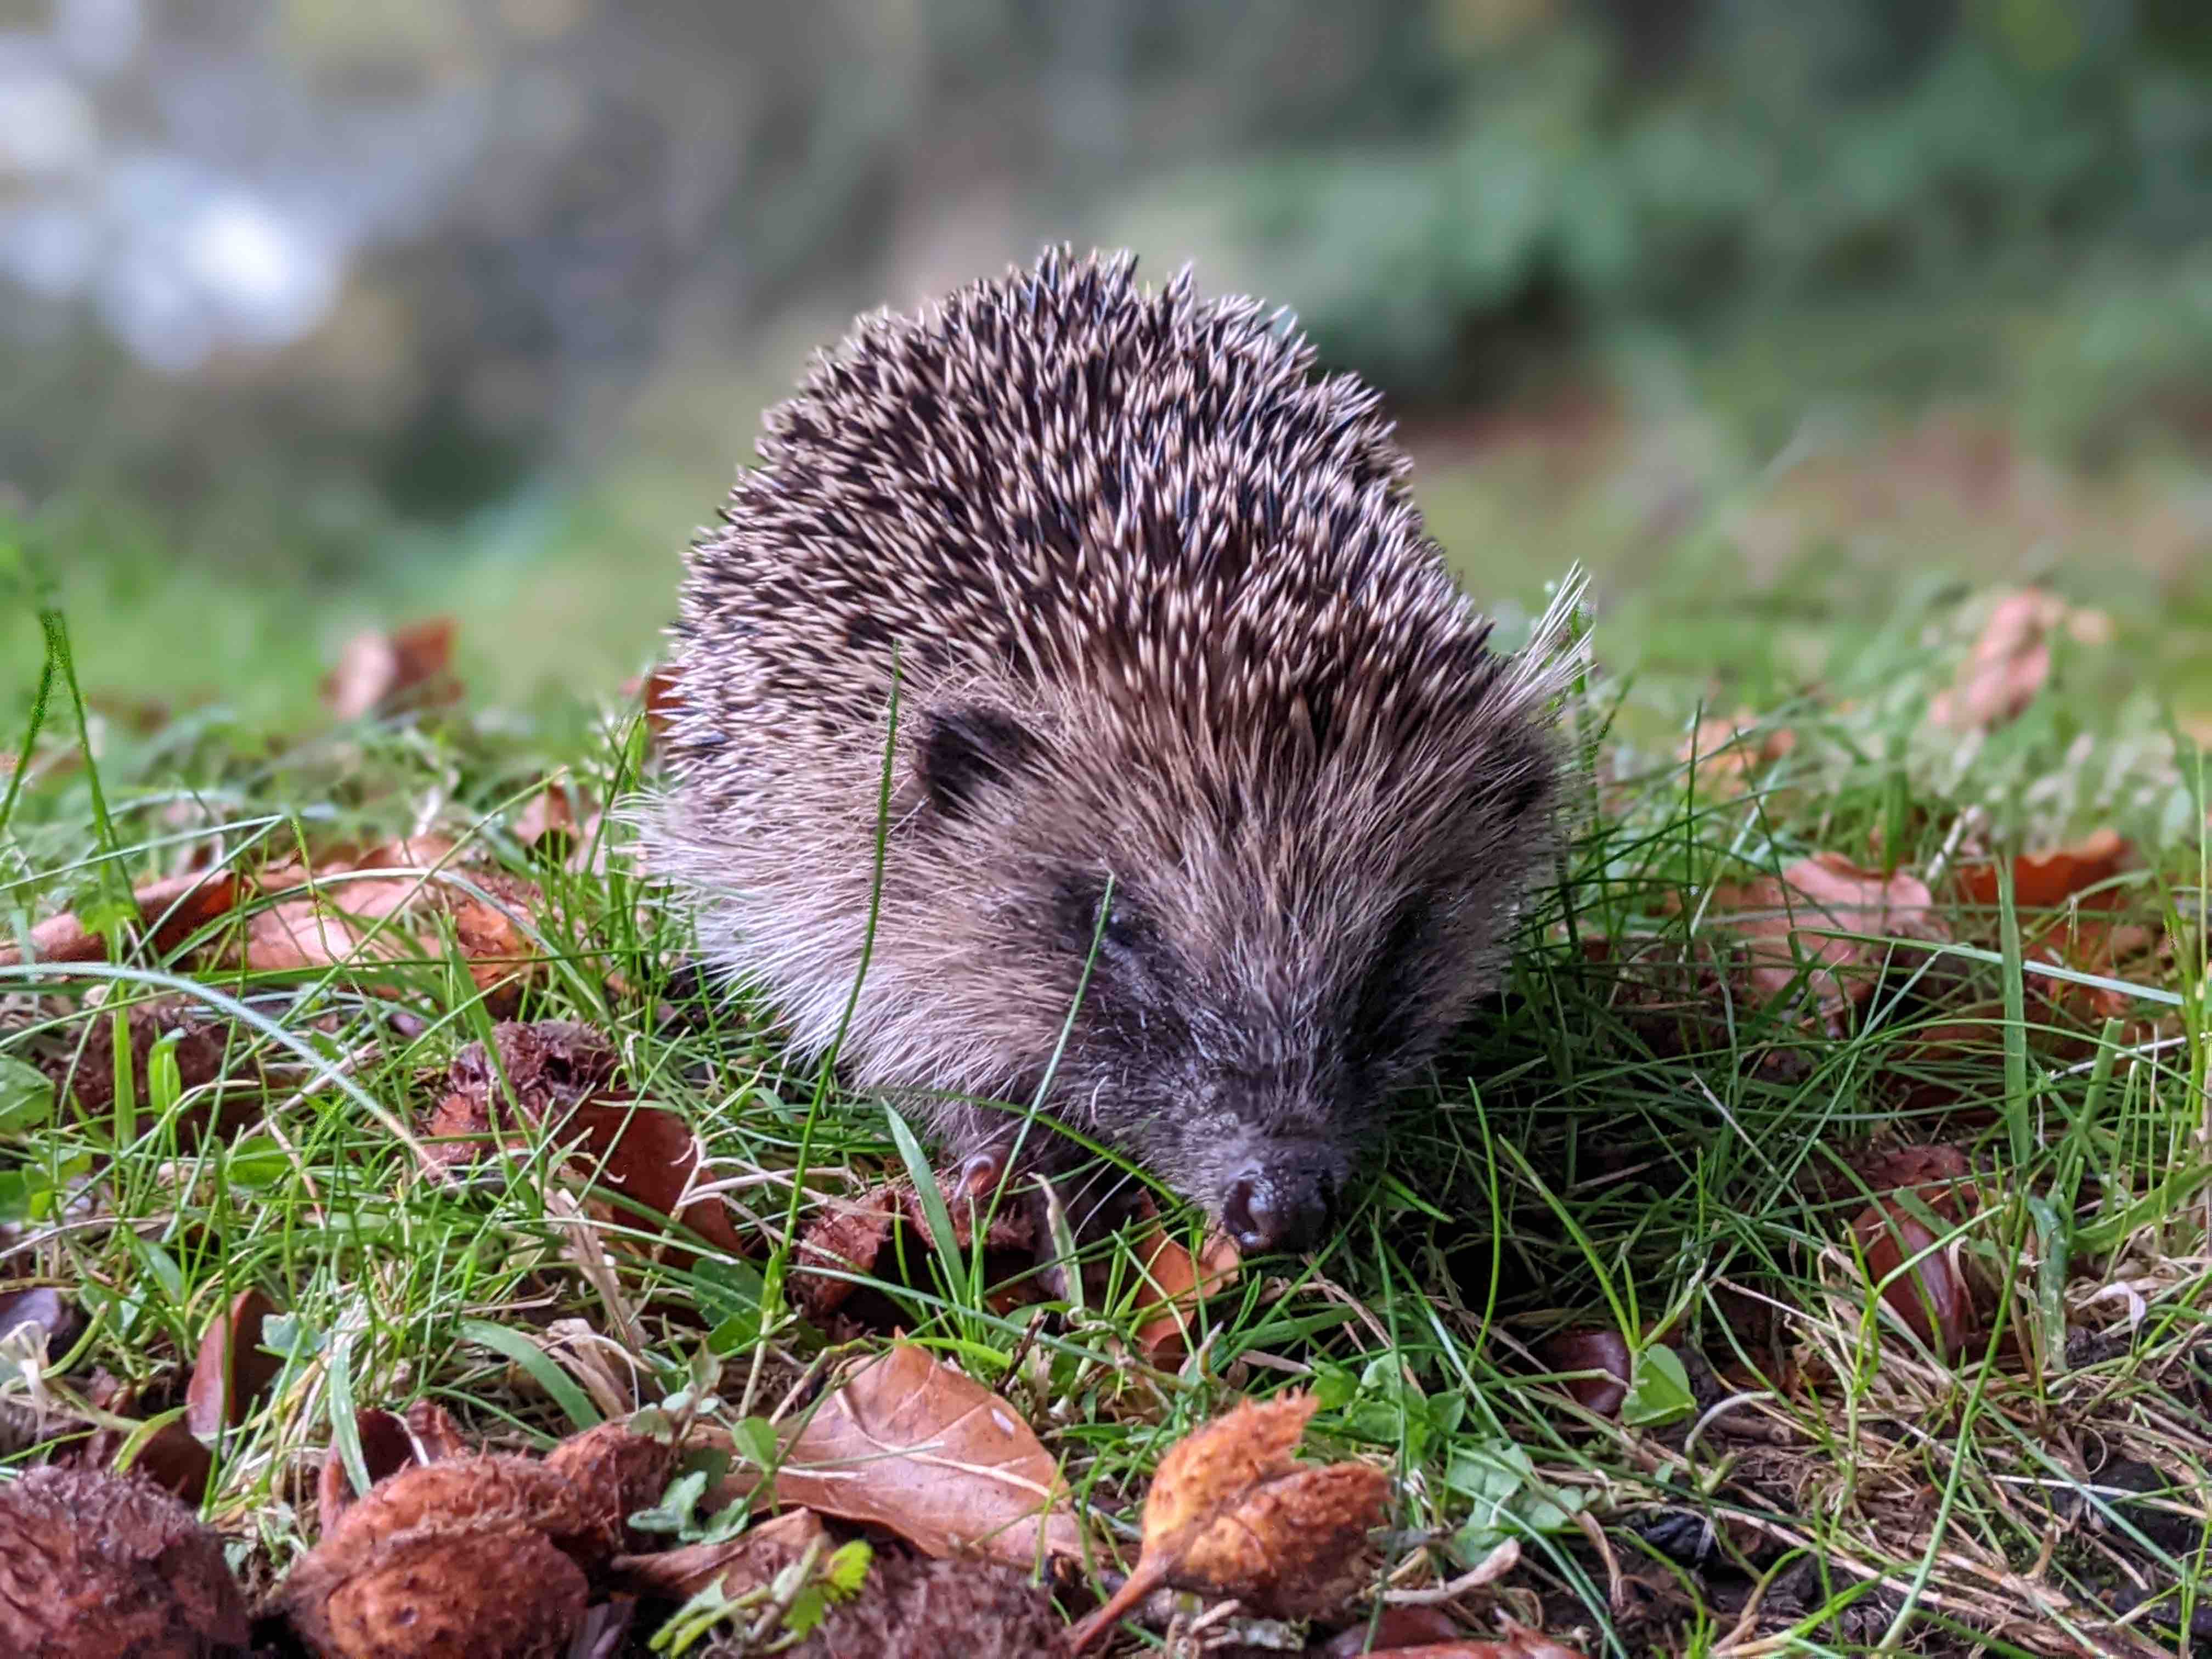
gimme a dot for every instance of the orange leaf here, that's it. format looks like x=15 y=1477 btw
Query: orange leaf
x=173 y=910
x=360 y=911
x=381 y=671
x=738 y=1565
x=913 y=1446
x=1931 y=1298
x=1796 y=917
x=1183 y=1284
x=2012 y=659
x=2045 y=881
x=1726 y=751
x=232 y=1369
x=562 y=1075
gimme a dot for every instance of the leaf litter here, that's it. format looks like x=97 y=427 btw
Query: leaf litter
x=1824 y=925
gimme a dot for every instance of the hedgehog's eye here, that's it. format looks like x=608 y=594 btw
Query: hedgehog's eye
x=1115 y=919
x=1091 y=912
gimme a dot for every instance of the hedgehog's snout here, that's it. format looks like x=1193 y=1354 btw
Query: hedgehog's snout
x=1281 y=1199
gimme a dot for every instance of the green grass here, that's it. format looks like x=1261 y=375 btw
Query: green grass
x=1641 y=1151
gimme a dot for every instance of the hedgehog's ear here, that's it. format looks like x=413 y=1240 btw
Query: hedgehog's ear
x=965 y=749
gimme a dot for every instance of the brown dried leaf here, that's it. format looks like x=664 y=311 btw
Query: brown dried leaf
x=350 y=918
x=1181 y=1283
x=562 y=1074
x=909 y=1445
x=2012 y=659
x=1593 y=1351
x=1229 y=1514
x=1726 y=753
x=232 y=1369
x=738 y=1565
x=170 y=911
x=1932 y=1299
x=380 y=672
x=171 y=1457
x=649 y=1153
x=385 y=1450
x=2045 y=881
x=551 y=811
x=93 y=1566
x=1398 y=1628
x=1795 y=919
x=1519 y=1642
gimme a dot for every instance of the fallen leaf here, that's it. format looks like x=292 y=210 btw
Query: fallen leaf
x=354 y=913
x=170 y=912
x=232 y=1369
x=1182 y=1284
x=913 y=1446
x=1932 y=1297
x=851 y=1237
x=1795 y=918
x=170 y=1457
x=92 y=1564
x=42 y=1310
x=1726 y=753
x=1397 y=1627
x=2081 y=930
x=1229 y=1514
x=2011 y=660
x=738 y=1565
x=561 y=1078
x=386 y=1450
x=380 y=672
x=2045 y=881
x=658 y=690
x=649 y=1153
x=1593 y=1351
x=551 y=811
x=1519 y=1644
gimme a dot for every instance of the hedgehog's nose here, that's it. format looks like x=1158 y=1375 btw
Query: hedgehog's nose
x=1269 y=1209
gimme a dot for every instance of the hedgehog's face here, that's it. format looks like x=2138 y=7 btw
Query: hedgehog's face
x=1251 y=985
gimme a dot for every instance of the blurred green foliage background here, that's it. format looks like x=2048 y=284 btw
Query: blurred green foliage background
x=318 y=315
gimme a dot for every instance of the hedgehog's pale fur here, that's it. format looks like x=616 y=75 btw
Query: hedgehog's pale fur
x=1162 y=611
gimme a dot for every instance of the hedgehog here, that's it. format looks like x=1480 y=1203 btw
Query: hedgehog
x=1076 y=729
